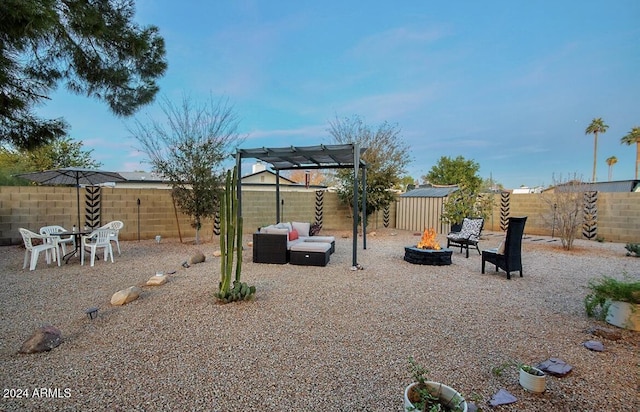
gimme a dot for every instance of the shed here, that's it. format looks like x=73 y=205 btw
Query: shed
x=421 y=208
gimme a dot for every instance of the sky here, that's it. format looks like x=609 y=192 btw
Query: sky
x=511 y=85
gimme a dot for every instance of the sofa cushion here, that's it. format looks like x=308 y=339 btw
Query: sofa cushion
x=311 y=247
x=302 y=228
x=275 y=230
x=285 y=225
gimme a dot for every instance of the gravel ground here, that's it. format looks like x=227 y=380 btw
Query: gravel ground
x=315 y=338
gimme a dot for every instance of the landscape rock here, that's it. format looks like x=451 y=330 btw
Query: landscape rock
x=607 y=333
x=594 y=345
x=197 y=258
x=157 y=280
x=43 y=339
x=124 y=296
x=217 y=253
x=555 y=366
x=502 y=397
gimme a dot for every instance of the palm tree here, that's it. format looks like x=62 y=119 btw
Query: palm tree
x=596 y=126
x=610 y=162
x=633 y=137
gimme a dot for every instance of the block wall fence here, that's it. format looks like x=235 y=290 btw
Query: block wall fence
x=617 y=219
x=32 y=207
x=614 y=217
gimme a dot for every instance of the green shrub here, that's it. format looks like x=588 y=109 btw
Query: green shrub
x=633 y=249
x=607 y=289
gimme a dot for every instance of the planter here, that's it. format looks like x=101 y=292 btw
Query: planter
x=449 y=397
x=533 y=382
x=624 y=315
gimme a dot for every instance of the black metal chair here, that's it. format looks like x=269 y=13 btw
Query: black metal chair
x=469 y=235
x=511 y=259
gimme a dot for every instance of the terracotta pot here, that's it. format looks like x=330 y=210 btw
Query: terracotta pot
x=445 y=393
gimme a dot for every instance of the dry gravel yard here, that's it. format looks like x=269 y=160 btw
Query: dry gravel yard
x=315 y=338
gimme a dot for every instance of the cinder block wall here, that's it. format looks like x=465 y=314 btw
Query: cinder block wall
x=618 y=215
x=35 y=206
x=32 y=207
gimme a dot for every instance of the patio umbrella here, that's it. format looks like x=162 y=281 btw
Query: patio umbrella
x=75 y=176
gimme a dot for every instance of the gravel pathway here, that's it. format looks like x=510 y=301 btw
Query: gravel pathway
x=315 y=338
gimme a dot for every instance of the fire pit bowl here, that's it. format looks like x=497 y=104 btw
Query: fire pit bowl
x=418 y=256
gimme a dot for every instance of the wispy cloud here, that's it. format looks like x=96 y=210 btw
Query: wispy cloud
x=312 y=131
x=397 y=40
x=390 y=106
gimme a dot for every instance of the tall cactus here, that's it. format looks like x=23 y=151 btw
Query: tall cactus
x=230 y=241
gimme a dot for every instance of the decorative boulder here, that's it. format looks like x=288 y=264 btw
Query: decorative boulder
x=606 y=333
x=125 y=296
x=502 y=397
x=43 y=339
x=555 y=366
x=197 y=258
x=594 y=345
x=157 y=280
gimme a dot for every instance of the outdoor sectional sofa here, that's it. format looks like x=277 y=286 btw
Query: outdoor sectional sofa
x=292 y=243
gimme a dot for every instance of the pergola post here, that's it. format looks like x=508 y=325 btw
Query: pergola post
x=355 y=208
x=364 y=206
x=278 y=215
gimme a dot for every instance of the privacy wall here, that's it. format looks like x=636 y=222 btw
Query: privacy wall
x=613 y=217
x=150 y=212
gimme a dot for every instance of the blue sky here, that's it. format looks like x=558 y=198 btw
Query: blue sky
x=511 y=85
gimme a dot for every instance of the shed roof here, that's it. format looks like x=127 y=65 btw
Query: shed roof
x=622 y=186
x=430 y=192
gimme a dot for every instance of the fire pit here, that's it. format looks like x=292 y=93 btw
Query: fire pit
x=428 y=251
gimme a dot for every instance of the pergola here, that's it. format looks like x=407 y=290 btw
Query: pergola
x=344 y=156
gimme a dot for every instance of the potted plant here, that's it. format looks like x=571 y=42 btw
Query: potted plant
x=532 y=378
x=425 y=395
x=615 y=301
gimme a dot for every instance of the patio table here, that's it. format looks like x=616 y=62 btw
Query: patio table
x=78 y=242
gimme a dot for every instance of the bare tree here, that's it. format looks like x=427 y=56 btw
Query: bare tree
x=387 y=156
x=189 y=148
x=565 y=204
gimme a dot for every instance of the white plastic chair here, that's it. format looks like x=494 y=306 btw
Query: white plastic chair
x=115 y=225
x=97 y=238
x=49 y=246
x=62 y=241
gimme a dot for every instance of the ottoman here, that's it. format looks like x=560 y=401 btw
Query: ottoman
x=323 y=239
x=310 y=253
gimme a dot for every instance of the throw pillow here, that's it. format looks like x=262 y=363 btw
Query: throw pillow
x=314 y=229
x=293 y=235
x=501 y=248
